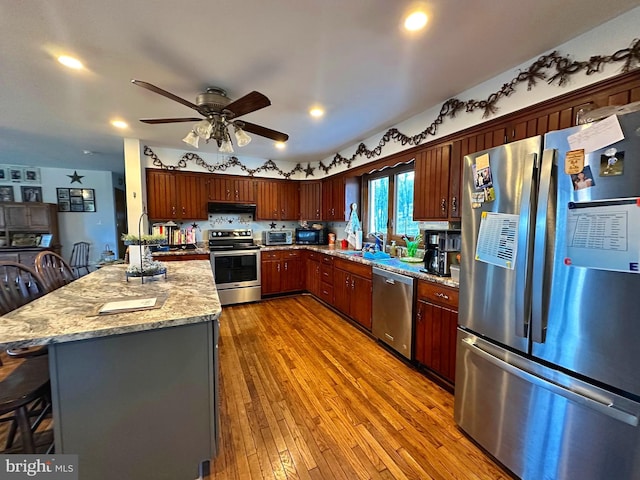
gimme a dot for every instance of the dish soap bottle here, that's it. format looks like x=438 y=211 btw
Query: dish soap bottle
x=393 y=250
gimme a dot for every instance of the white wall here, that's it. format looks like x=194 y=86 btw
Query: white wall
x=98 y=228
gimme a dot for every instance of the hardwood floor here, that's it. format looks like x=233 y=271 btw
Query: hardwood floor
x=306 y=395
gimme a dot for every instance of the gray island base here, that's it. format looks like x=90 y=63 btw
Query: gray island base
x=134 y=394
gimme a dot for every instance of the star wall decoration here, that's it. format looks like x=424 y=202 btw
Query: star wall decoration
x=75 y=177
x=309 y=170
x=272 y=225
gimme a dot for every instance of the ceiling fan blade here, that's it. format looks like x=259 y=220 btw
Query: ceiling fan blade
x=249 y=103
x=265 y=132
x=164 y=93
x=154 y=121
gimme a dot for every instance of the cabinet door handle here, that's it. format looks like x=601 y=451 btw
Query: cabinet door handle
x=184 y=211
x=353 y=284
x=286 y=266
x=454 y=204
x=278 y=266
x=442 y=295
x=173 y=210
x=443 y=205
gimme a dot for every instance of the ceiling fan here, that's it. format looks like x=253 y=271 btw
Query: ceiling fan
x=220 y=112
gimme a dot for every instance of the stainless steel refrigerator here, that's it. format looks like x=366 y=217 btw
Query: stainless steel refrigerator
x=548 y=352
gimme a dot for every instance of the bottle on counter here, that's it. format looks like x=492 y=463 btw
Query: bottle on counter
x=393 y=250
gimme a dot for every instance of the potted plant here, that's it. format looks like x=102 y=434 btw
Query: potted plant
x=132 y=239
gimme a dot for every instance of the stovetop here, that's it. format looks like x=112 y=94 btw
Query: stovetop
x=231 y=239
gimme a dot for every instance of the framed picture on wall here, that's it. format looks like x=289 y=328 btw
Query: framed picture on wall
x=31 y=194
x=6 y=193
x=76 y=199
x=15 y=173
x=31 y=175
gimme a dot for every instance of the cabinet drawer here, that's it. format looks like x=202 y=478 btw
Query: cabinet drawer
x=438 y=294
x=326 y=273
x=314 y=255
x=271 y=255
x=291 y=254
x=326 y=292
x=353 y=267
x=327 y=260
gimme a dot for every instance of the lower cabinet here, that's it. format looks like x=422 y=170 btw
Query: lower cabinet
x=312 y=273
x=352 y=288
x=282 y=271
x=436 y=323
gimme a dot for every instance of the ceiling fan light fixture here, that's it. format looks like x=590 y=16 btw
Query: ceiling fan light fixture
x=203 y=129
x=225 y=145
x=242 y=138
x=192 y=139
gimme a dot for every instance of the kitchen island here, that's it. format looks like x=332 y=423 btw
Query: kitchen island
x=134 y=393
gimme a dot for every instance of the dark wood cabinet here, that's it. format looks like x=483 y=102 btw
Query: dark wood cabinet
x=175 y=195
x=311 y=200
x=338 y=193
x=227 y=188
x=27 y=218
x=435 y=331
x=282 y=271
x=277 y=200
x=312 y=273
x=352 y=290
x=431 y=184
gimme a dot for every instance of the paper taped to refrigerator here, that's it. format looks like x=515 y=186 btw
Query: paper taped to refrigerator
x=498 y=239
x=604 y=235
x=599 y=135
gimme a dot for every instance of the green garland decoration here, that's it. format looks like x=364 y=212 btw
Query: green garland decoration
x=562 y=68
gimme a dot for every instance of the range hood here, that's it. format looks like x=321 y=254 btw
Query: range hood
x=221 y=207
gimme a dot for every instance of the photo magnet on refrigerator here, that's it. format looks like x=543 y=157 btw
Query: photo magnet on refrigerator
x=611 y=163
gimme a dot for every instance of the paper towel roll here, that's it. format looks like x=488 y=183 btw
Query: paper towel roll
x=359 y=240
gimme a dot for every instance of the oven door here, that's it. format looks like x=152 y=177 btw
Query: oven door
x=236 y=268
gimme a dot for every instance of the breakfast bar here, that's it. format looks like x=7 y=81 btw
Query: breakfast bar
x=134 y=390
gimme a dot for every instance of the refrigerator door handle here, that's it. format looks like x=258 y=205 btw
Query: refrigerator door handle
x=521 y=260
x=540 y=249
x=605 y=407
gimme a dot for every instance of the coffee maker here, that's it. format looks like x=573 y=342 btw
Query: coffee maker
x=441 y=248
x=432 y=252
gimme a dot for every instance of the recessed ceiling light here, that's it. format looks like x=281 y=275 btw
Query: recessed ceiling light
x=316 y=112
x=70 y=62
x=415 y=21
x=280 y=145
x=119 y=124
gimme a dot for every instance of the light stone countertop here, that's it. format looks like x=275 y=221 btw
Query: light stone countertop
x=70 y=313
x=391 y=264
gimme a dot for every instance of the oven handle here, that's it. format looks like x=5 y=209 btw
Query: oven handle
x=234 y=253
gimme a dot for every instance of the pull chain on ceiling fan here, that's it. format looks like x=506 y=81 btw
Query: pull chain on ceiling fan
x=220 y=113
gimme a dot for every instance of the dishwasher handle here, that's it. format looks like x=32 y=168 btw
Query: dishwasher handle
x=392 y=278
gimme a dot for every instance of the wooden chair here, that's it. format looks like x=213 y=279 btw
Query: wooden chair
x=24 y=393
x=20 y=285
x=54 y=270
x=80 y=258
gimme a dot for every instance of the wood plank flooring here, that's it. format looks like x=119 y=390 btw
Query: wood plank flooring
x=306 y=395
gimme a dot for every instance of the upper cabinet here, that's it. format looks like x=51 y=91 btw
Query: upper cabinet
x=29 y=218
x=431 y=183
x=227 y=188
x=277 y=199
x=338 y=193
x=311 y=200
x=176 y=195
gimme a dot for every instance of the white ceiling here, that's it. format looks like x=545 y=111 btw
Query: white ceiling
x=349 y=55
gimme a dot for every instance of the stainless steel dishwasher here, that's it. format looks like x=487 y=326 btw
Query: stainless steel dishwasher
x=392 y=320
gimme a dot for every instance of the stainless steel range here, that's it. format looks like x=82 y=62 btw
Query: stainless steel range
x=235 y=261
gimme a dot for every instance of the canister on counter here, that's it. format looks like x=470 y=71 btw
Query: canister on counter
x=332 y=239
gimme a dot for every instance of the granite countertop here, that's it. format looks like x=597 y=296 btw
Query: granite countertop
x=180 y=251
x=70 y=313
x=391 y=264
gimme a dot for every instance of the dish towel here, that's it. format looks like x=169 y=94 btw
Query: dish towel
x=353 y=227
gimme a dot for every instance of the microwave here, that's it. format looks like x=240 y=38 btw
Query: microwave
x=277 y=237
x=312 y=236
